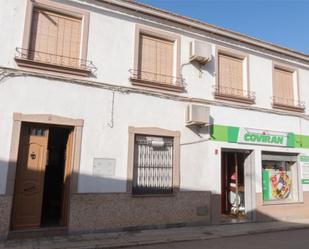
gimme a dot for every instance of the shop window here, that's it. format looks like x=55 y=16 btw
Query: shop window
x=153 y=161
x=55 y=38
x=157 y=60
x=280 y=179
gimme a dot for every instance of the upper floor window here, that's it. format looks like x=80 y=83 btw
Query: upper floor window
x=157 y=60
x=232 y=77
x=55 y=38
x=285 y=89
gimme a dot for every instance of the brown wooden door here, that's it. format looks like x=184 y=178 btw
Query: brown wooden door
x=29 y=183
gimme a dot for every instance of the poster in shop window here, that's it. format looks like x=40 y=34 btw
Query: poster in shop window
x=304 y=165
x=277 y=181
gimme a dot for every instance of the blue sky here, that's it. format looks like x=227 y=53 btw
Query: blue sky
x=283 y=22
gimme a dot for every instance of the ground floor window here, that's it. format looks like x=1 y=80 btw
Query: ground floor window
x=153 y=161
x=153 y=165
x=280 y=178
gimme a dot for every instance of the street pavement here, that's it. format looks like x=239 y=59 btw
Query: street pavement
x=298 y=239
x=226 y=236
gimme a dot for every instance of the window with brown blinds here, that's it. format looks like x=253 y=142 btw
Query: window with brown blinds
x=230 y=78
x=156 y=59
x=283 y=87
x=55 y=38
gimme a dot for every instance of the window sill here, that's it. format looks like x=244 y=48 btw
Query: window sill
x=288 y=107
x=153 y=195
x=275 y=203
x=169 y=193
x=234 y=98
x=51 y=67
x=156 y=85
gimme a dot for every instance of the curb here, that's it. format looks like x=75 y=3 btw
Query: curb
x=194 y=238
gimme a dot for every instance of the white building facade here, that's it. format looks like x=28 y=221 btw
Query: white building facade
x=116 y=115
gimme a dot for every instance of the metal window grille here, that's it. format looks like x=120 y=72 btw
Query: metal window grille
x=153 y=165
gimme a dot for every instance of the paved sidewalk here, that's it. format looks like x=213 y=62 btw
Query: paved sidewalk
x=149 y=237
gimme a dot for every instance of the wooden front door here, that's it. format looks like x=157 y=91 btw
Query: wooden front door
x=29 y=183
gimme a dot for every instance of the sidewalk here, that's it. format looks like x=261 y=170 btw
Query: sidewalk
x=148 y=237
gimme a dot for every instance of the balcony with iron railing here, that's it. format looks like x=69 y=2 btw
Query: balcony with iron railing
x=53 y=62
x=234 y=94
x=155 y=80
x=288 y=104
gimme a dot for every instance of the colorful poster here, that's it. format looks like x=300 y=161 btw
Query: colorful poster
x=280 y=184
x=276 y=182
x=304 y=165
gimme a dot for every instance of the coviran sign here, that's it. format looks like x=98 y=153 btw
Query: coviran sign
x=254 y=136
x=270 y=139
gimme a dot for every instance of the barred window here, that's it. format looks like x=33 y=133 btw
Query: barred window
x=153 y=165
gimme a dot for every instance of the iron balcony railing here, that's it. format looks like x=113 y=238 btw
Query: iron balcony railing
x=162 y=79
x=234 y=92
x=288 y=102
x=54 y=59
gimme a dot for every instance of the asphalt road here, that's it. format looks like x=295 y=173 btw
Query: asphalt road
x=297 y=239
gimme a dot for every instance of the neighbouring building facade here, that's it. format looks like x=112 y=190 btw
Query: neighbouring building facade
x=117 y=115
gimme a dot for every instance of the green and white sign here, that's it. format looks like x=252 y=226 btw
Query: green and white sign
x=304 y=165
x=262 y=137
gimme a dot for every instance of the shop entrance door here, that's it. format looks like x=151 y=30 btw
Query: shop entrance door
x=236 y=185
x=42 y=173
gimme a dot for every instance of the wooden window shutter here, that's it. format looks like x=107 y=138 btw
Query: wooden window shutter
x=283 y=86
x=230 y=75
x=156 y=59
x=55 y=38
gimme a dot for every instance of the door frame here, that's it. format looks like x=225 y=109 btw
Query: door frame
x=47 y=119
x=249 y=180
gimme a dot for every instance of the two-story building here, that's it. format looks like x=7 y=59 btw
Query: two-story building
x=118 y=115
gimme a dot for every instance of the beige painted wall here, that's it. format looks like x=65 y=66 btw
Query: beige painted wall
x=282 y=212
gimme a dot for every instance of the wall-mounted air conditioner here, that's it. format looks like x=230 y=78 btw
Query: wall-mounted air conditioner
x=197 y=115
x=200 y=52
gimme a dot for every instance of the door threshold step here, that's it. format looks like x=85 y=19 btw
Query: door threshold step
x=37 y=232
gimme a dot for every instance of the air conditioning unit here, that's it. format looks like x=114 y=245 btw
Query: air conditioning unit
x=197 y=115
x=200 y=52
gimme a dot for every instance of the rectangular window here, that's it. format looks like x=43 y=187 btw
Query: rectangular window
x=55 y=38
x=280 y=179
x=156 y=60
x=153 y=165
x=230 y=74
x=283 y=86
x=232 y=77
x=285 y=89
